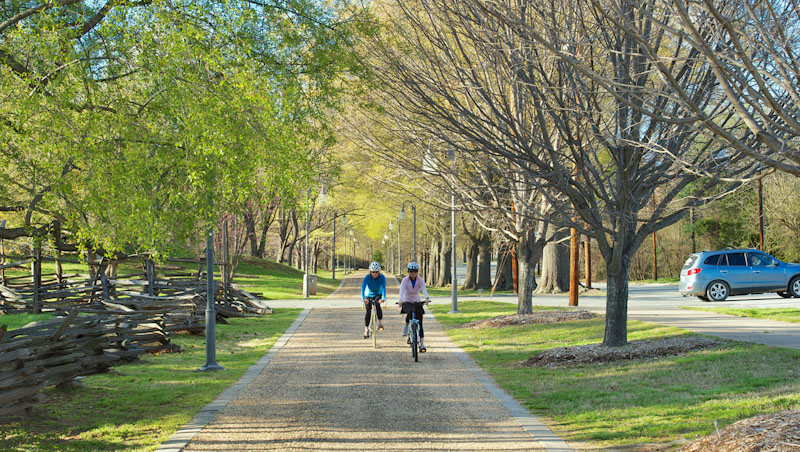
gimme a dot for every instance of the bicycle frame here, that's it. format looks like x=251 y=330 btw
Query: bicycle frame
x=413 y=333
x=374 y=322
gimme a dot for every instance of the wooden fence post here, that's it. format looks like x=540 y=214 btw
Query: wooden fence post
x=37 y=277
x=151 y=276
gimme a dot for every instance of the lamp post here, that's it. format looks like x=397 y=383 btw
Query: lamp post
x=403 y=217
x=391 y=256
x=454 y=295
x=211 y=311
x=333 y=250
x=352 y=251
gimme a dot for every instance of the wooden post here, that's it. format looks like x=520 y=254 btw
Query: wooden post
x=760 y=213
x=514 y=270
x=655 y=258
x=587 y=246
x=151 y=276
x=36 y=268
x=574 y=266
x=3 y=259
x=104 y=278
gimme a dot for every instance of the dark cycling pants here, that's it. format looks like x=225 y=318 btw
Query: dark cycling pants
x=378 y=309
x=417 y=308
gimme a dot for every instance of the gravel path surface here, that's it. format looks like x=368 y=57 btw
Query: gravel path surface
x=329 y=389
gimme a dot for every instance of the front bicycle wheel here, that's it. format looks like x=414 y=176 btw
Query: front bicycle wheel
x=414 y=342
x=374 y=322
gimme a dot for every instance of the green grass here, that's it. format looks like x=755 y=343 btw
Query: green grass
x=782 y=314
x=444 y=291
x=278 y=281
x=138 y=406
x=668 y=400
x=15 y=321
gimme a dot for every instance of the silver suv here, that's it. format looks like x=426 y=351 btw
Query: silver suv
x=714 y=275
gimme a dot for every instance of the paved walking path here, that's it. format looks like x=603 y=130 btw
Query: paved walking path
x=325 y=387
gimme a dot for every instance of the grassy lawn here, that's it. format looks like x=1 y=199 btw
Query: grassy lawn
x=138 y=406
x=668 y=400
x=781 y=314
x=278 y=281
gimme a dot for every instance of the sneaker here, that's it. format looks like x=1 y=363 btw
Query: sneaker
x=366 y=334
x=380 y=327
x=422 y=348
x=405 y=330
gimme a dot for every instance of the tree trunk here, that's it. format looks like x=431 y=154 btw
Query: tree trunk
x=250 y=228
x=555 y=267
x=471 y=278
x=485 y=265
x=529 y=250
x=446 y=253
x=435 y=267
x=616 y=332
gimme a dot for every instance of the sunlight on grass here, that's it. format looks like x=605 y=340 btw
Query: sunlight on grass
x=661 y=400
x=781 y=314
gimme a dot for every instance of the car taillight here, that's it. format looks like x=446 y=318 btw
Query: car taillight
x=693 y=271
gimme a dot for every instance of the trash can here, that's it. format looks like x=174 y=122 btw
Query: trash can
x=311 y=283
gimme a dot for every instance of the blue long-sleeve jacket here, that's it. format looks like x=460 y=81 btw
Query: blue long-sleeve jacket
x=373 y=286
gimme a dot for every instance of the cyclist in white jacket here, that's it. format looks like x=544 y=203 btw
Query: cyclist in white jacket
x=410 y=300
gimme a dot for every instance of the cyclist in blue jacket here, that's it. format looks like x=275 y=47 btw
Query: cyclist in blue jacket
x=373 y=287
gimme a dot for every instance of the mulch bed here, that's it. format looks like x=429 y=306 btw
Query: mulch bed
x=764 y=433
x=597 y=353
x=555 y=316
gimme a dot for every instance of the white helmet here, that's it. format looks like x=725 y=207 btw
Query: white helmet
x=412 y=266
x=374 y=267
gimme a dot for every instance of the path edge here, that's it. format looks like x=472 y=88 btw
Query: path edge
x=530 y=423
x=185 y=434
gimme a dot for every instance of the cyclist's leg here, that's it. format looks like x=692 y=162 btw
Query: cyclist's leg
x=420 y=313
x=368 y=307
x=380 y=314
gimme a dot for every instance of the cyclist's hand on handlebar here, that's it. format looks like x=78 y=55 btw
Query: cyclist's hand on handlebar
x=383 y=300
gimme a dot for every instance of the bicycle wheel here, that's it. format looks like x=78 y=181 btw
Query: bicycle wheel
x=414 y=342
x=374 y=322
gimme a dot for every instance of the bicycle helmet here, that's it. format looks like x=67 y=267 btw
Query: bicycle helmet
x=374 y=267
x=412 y=266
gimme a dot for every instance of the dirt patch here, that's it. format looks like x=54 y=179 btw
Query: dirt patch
x=555 y=316
x=597 y=353
x=767 y=432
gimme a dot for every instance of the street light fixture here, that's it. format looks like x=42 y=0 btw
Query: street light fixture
x=403 y=217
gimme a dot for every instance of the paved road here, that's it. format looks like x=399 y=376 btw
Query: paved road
x=327 y=388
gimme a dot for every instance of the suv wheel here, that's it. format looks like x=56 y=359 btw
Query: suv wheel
x=719 y=290
x=794 y=287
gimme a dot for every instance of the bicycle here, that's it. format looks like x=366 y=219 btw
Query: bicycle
x=413 y=334
x=373 y=322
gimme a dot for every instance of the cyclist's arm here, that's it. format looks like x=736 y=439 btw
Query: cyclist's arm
x=363 y=289
x=402 y=292
x=424 y=290
x=383 y=289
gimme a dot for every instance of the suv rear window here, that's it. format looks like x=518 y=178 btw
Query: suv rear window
x=712 y=260
x=690 y=261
